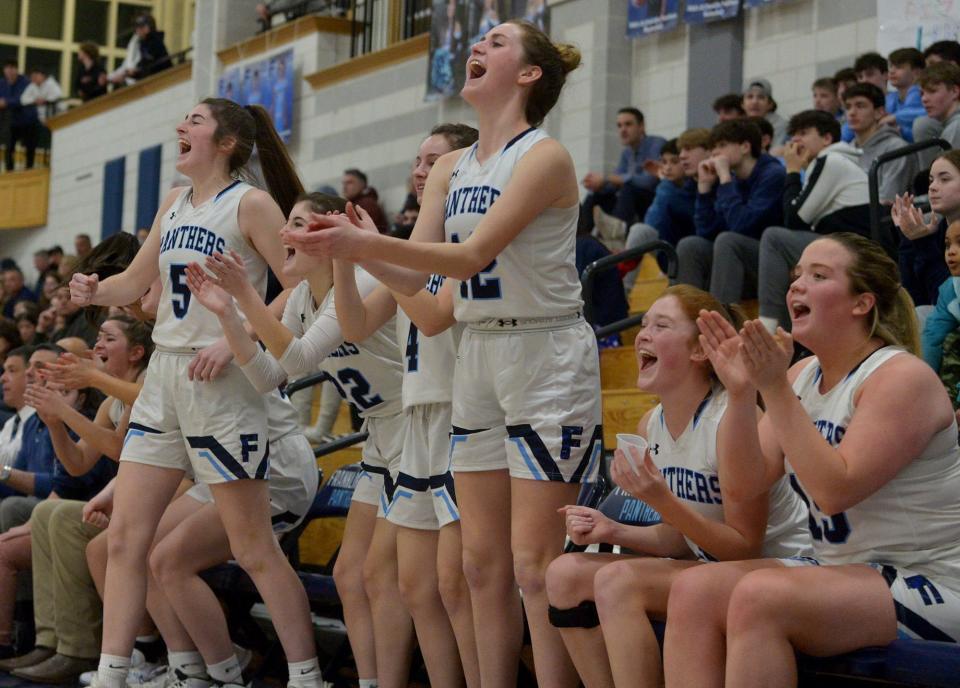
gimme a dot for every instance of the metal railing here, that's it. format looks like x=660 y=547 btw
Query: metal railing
x=610 y=262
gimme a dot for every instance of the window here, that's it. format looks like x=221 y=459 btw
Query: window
x=91 y=21
x=10 y=16
x=126 y=13
x=45 y=19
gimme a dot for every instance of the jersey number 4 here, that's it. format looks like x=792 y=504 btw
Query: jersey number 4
x=180 y=290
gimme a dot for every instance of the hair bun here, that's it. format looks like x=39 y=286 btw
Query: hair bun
x=569 y=56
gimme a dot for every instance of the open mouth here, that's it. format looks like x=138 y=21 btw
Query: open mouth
x=184 y=146
x=799 y=310
x=475 y=70
x=646 y=359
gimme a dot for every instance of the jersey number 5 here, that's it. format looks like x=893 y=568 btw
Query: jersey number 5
x=181 y=293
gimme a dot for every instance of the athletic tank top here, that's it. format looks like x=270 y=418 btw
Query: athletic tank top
x=690 y=466
x=187 y=235
x=535 y=276
x=914 y=520
x=115 y=412
x=368 y=375
x=427 y=361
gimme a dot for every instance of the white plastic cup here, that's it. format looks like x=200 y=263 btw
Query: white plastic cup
x=625 y=440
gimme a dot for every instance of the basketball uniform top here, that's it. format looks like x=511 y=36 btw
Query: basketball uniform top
x=368 y=375
x=690 y=466
x=187 y=235
x=913 y=521
x=535 y=276
x=115 y=412
x=281 y=418
x=427 y=361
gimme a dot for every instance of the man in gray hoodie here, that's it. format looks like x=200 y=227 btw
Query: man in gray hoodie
x=864 y=104
x=832 y=196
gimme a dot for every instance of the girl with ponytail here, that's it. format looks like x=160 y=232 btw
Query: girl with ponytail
x=197 y=411
x=868 y=439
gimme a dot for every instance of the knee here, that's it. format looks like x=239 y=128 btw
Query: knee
x=755 y=602
x=729 y=245
x=418 y=588
x=689 y=247
x=452 y=585
x=126 y=541
x=567 y=582
x=348 y=577
x=530 y=569
x=692 y=595
x=43 y=516
x=164 y=563
x=482 y=568
x=614 y=586
x=257 y=554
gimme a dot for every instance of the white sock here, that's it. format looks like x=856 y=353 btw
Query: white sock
x=305 y=674
x=227 y=671
x=770 y=323
x=112 y=671
x=188 y=663
x=368 y=683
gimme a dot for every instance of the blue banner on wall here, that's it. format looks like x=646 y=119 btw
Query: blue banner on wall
x=651 y=16
x=750 y=4
x=457 y=24
x=700 y=11
x=267 y=82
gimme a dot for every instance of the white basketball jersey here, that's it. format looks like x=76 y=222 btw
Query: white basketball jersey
x=427 y=361
x=535 y=276
x=690 y=466
x=368 y=375
x=187 y=235
x=914 y=520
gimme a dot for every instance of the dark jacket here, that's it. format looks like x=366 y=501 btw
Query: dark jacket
x=86 y=82
x=153 y=55
x=746 y=206
x=922 y=266
x=20 y=115
x=609 y=300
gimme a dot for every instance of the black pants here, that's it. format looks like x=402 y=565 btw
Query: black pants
x=27 y=134
x=629 y=203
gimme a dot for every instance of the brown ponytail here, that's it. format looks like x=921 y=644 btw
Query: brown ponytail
x=555 y=60
x=251 y=125
x=893 y=318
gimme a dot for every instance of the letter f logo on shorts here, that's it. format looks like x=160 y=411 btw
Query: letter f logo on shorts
x=249 y=444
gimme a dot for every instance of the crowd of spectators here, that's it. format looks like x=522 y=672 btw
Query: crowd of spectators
x=27 y=102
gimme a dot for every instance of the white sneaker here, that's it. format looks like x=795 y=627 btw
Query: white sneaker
x=142 y=672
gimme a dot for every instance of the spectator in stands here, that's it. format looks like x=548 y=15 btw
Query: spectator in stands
x=945 y=317
x=43 y=92
x=15 y=290
x=758 y=102
x=729 y=106
x=609 y=300
x=825 y=97
x=921 y=250
x=14 y=382
x=739 y=195
x=288 y=10
x=872 y=69
x=22 y=120
x=844 y=79
x=904 y=103
x=940 y=88
x=82 y=245
x=766 y=132
x=670 y=216
x=41 y=263
x=90 y=81
x=143 y=233
x=56 y=255
x=830 y=196
x=50 y=283
x=142 y=59
x=864 y=103
x=404 y=223
x=355 y=190
x=628 y=192
x=27 y=327
x=942 y=51
x=75 y=321
x=29 y=477
x=9 y=336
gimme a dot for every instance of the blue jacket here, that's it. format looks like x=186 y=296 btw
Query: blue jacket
x=944 y=319
x=36 y=456
x=609 y=299
x=20 y=115
x=746 y=206
x=906 y=111
x=671 y=212
x=631 y=162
